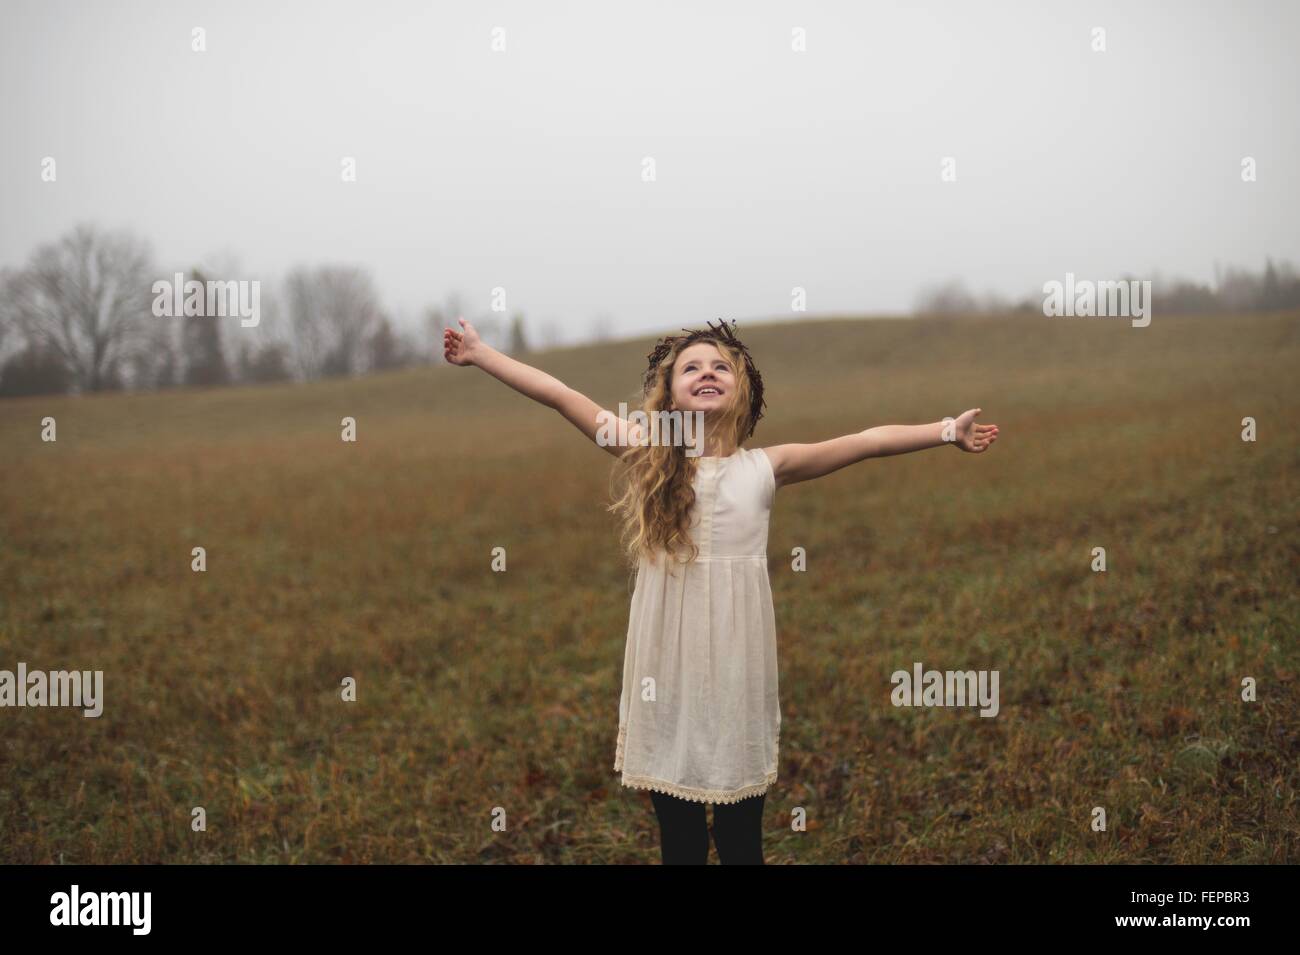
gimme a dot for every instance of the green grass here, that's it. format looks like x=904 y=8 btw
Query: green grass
x=479 y=690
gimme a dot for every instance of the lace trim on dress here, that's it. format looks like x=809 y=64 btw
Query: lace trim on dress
x=713 y=796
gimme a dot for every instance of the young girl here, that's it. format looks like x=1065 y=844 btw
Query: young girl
x=699 y=717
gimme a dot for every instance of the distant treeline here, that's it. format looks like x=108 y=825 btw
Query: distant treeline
x=83 y=316
x=92 y=311
x=1275 y=286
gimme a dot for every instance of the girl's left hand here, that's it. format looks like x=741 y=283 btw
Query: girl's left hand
x=971 y=436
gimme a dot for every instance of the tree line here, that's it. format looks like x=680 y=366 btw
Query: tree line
x=81 y=316
x=1275 y=286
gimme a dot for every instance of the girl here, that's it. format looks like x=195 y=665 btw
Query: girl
x=699 y=716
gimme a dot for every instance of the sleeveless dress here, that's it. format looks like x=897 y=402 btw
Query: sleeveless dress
x=699 y=717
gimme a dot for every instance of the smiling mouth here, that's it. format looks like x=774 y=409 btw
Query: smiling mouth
x=708 y=390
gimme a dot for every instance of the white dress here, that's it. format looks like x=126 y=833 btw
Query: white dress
x=700 y=717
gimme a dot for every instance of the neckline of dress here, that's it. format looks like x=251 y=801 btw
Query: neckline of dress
x=716 y=457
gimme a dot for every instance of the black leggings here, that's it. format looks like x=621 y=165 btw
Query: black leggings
x=684 y=834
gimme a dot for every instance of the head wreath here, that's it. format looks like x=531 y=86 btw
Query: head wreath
x=723 y=333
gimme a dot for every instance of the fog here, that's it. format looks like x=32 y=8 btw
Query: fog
x=774 y=169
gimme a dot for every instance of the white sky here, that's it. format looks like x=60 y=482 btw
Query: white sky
x=775 y=169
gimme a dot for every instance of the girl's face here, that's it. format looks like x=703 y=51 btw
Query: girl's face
x=702 y=379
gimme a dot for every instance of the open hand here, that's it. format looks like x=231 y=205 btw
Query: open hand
x=459 y=347
x=971 y=436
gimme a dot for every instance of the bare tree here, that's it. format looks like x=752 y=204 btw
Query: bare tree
x=518 y=340
x=7 y=321
x=333 y=313
x=205 y=359
x=155 y=361
x=259 y=365
x=264 y=353
x=33 y=371
x=86 y=299
x=389 y=347
x=949 y=298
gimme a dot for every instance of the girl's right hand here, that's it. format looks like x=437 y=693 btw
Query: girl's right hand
x=459 y=348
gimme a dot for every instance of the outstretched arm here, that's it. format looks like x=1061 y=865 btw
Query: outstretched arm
x=609 y=431
x=792 y=463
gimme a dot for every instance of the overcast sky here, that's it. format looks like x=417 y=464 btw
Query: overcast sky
x=774 y=168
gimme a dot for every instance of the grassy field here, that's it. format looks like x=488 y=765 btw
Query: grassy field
x=478 y=690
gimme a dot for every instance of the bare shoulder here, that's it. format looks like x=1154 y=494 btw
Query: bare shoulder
x=775 y=456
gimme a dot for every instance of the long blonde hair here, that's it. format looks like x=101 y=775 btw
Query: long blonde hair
x=656 y=478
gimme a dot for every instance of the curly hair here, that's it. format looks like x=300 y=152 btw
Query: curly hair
x=657 y=479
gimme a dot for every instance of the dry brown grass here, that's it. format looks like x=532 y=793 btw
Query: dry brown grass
x=479 y=690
